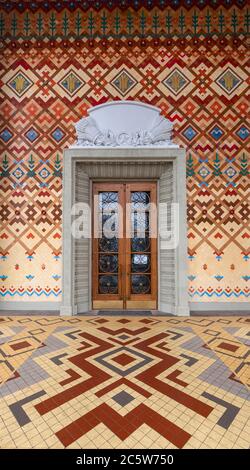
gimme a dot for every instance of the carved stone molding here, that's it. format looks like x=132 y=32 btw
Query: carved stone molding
x=124 y=123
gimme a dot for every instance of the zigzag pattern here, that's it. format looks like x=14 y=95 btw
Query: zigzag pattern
x=196 y=77
x=228 y=293
x=97 y=5
x=30 y=292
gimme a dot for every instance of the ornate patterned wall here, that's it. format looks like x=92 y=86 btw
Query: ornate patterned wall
x=58 y=59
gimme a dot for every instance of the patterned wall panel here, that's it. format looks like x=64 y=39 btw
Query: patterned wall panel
x=58 y=59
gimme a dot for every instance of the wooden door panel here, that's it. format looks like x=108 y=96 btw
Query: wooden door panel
x=108 y=252
x=141 y=244
x=107 y=304
x=141 y=304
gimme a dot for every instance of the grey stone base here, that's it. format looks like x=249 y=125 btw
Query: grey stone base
x=219 y=307
x=29 y=306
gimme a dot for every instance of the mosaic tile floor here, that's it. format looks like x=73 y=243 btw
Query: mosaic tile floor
x=103 y=382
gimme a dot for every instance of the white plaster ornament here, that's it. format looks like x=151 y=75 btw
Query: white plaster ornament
x=122 y=118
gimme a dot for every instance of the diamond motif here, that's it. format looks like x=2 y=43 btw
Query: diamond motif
x=218 y=277
x=20 y=84
x=243 y=132
x=123 y=398
x=176 y=81
x=123 y=82
x=71 y=83
x=58 y=134
x=230 y=172
x=228 y=81
x=6 y=135
x=203 y=172
x=190 y=133
x=18 y=173
x=107 y=361
x=124 y=359
x=32 y=134
x=216 y=133
x=44 y=173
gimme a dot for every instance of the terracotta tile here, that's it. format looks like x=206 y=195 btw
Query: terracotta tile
x=228 y=347
x=21 y=345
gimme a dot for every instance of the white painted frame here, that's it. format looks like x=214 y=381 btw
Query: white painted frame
x=125 y=155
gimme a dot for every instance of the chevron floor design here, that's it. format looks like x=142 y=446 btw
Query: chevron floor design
x=124 y=382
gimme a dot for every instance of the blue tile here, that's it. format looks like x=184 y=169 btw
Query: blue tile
x=243 y=132
x=216 y=133
x=190 y=133
x=32 y=134
x=58 y=134
x=6 y=135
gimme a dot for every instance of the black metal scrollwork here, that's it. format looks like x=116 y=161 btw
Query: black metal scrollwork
x=108 y=284
x=140 y=284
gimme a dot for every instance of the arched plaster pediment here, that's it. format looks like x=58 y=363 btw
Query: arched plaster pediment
x=124 y=123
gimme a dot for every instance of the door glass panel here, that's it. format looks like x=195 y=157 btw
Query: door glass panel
x=108 y=284
x=140 y=263
x=109 y=221
x=108 y=244
x=108 y=264
x=140 y=242
x=140 y=221
x=139 y=212
x=108 y=213
x=108 y=200
x=140 y=199
x=140 y=284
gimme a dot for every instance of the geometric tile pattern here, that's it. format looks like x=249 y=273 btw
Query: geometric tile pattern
x=176 y=81
x=71 y=83
x=228 y=80
x=59 y=60
x=70 y=390
x=19 y=83
x=123 y=82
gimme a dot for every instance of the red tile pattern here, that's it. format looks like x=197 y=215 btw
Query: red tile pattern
x=21 y=345
x=175 y=393
x=123 y=359
x=229 y=347
x=123 y=426
x=190 y=60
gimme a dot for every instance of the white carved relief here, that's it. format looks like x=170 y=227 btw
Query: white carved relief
x=87 y=130
x=91 y=133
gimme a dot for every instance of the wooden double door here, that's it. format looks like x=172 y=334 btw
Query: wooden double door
x=124 y=246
